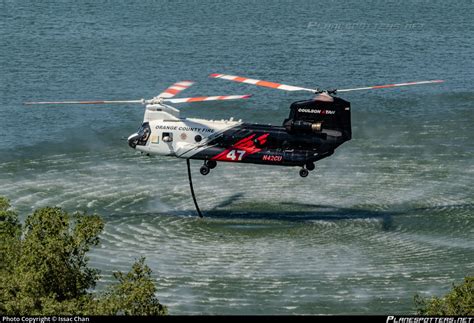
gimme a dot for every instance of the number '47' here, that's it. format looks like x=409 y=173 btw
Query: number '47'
x=236 y=154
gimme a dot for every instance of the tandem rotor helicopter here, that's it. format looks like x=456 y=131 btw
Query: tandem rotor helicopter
x=313 y=130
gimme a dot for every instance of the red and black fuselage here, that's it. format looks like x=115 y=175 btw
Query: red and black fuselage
x=313 y=130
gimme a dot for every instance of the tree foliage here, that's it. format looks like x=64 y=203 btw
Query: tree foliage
x=44 y=268
x=134 y=293
x=459 y=301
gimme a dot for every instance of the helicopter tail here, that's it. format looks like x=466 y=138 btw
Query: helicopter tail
x=324 y=114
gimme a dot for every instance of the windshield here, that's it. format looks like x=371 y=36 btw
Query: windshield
x=144 y=133
x=141 y=136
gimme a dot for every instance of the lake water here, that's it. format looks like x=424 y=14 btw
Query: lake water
x=390 y=214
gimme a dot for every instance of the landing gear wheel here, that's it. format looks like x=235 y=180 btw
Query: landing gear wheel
x=210 y=163
x=204 y=170
x=310 y=166
x=304 y=172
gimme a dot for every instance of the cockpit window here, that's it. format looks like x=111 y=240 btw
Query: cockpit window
x=141 y=136
x=167 y=137
x=144 y=133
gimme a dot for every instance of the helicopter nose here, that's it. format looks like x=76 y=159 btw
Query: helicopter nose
x=133 y=140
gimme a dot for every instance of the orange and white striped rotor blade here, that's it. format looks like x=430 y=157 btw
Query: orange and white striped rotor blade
x=207 y=98
x=175 y=89
x=272 y=85
x=142 y=101
x=390 y=85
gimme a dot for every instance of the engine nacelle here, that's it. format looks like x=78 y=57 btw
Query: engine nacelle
x=324 y=112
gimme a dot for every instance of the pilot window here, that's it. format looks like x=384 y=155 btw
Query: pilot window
x=167 y=137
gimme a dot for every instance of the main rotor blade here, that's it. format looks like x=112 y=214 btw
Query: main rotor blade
x=175 y=89
x=142 y=101
x=390 y=85
x=261 y=83
x=207 y=98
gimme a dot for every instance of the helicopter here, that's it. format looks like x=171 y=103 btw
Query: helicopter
x=313 y=130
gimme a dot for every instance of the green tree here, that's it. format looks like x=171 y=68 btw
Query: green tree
x=10 y=234
x=44 y=268
x=134 y=294
x=459 y=301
